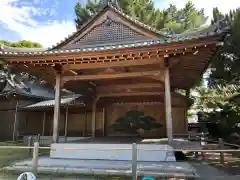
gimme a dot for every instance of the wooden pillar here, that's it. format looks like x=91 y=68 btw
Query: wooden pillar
x=94 y=117
x=56 y=117
x=103 y=122
x=188 y=92
x=44 y=123
x=85 y=124
x=168 y=106
x=15 y=122
x=66 y=122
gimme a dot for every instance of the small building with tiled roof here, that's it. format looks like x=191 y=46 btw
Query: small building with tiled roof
x=122 y=64
x=16 y=93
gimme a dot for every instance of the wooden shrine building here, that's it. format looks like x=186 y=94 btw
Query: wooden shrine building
x=122 y=64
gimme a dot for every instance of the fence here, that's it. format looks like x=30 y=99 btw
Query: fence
x=192 y=136
x=35 y=154
x=47 y=140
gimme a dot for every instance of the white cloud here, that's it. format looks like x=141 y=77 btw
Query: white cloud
x=20 y=19
x=223 y=5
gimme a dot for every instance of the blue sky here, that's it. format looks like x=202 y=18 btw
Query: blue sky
x=49 y=21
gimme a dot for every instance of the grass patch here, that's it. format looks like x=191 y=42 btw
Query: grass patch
x=83 y=176
x=64 y=176
x=9 y=155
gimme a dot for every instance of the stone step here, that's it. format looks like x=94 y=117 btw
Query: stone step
x=107 y=168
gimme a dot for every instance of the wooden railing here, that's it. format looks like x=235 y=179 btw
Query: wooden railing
x=35 y=153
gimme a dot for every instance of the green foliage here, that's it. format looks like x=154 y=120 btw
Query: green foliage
x=142 y=10
x=225 y=65
x=6 y=43
x=84 y=13
x=224 y=81
x=223 y=122
x=23 y=44
x=214 y=98
x=214 y=102
x=178 y=20
x=134 y=121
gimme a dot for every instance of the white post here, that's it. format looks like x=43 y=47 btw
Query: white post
x=221 y=146
x=30 y=139
x=57 y=108
x=168 y=106
x=35 y=157
x=134 y=161
x=15 y=122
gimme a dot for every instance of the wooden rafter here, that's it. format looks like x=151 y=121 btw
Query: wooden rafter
x=125 y=53
x=112 y=76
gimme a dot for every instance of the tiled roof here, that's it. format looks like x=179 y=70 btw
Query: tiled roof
x=120 y=12
x=28 y=89
x=51 y=103
x=117 y=45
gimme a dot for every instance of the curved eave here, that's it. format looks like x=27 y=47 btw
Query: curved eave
x=118 y=46
x=189 y=58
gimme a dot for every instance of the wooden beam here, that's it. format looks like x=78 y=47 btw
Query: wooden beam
x=137 y=103
x=66 y=122
x=103 y=121
x=113 y=87
x=94 y=107
x=133 y=86
x=124 y=63
x=15 y=129
x=158 y=78
x=112 y=76
x=130 y=94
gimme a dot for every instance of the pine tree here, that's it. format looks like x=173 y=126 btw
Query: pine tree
x=177 y=20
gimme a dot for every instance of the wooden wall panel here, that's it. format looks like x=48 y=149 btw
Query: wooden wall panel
x=155 y=111
x=179 y=120
x=31 y=122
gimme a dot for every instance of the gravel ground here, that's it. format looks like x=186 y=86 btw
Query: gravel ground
x=208 y=172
